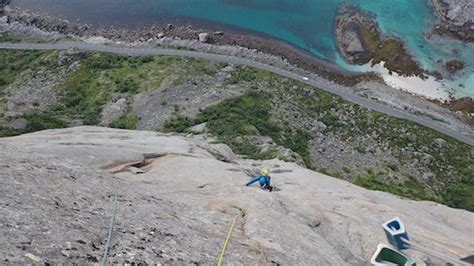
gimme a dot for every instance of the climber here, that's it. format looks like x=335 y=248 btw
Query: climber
x=264 y=180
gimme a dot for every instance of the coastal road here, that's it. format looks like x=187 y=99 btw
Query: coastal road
x=345 y=92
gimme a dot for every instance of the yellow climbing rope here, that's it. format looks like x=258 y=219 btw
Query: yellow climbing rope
x=229 y=234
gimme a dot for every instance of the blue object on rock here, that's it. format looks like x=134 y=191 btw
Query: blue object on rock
x=264 y=181
x=396 y=234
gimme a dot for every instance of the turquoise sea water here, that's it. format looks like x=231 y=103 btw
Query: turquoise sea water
x=308 y=24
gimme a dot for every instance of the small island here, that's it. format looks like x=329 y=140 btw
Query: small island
x=359 y=41
x=457 y=18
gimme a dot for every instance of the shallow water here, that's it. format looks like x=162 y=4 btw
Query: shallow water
x=308 y=24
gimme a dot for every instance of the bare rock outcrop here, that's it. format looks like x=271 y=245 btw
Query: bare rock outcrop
x=457 y=18
x=3 y=3
x=175 y=200
x=352 y=24
x=203 y=37
x=454 y=66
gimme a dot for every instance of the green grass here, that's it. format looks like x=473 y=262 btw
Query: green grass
x=243 y=74
x=14 y=62
x=273 y=106
x=410 y=188
x=83 y=95
x=37 y=122
x=90 y=86
x=4 y=37
x=44 y=120
x=86 y=91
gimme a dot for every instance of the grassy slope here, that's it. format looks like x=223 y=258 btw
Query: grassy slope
x=263 y=111
x=12 y=64
x=236 y=121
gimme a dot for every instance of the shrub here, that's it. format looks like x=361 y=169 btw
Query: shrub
x=42 y=121
x=104 y=61
x=177 y=123
x=127 y=85
x=126 y=121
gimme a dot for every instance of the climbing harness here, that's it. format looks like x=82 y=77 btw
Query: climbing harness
x=111 y=227
x=229 y=234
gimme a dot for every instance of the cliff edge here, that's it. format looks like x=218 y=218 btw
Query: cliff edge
x=176 y=196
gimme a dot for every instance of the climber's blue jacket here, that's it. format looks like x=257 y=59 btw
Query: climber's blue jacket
x=264 y=181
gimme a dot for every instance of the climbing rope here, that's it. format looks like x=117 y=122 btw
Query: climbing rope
x=111 y=228
x=231 y=227
x=229 y=234
x=114 y=214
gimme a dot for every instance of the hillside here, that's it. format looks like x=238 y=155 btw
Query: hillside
x=176 y=202
x=258 y=114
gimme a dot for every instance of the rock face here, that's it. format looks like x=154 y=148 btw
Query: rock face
x=454 y=66
x=203 y=37
x=351 y=22
x=465 y=104
x=3 y=3
x=358 y=40
x=457 y=17
x=175 y=201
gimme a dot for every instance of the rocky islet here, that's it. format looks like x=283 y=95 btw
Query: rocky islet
x=359 y=41
x=457 y=18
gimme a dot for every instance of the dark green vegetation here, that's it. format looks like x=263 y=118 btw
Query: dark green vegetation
x=91 y=86
x=410 y=188
x=93 y=83
x=283 y=109
x=6 y=38
x=15 y=62
x=12 y=64
x=237 y=121
x=271 y=106
x=126 y=121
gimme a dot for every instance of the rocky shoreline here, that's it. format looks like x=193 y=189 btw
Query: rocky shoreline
x=3 y=3
x=359 y=41
x=228 y=36
x=457 y=18
x=221 y=40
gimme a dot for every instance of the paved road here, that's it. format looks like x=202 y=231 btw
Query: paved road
x=326 y=85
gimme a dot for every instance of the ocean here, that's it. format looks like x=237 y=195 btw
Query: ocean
x=308 y=24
